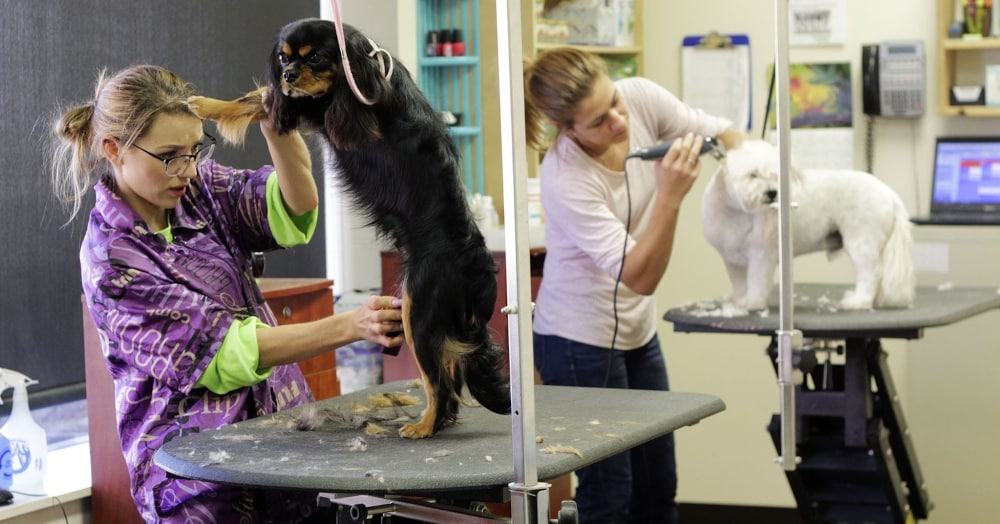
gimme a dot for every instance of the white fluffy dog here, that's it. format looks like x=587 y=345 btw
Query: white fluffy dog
x=836 y=209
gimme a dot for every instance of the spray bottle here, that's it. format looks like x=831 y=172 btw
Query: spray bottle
x=28 y=447
x=6 y=471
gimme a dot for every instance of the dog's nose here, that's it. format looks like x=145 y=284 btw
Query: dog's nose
x=290 y=75
x=772 y=194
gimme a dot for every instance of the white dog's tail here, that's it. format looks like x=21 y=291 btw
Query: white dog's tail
x=898 y=284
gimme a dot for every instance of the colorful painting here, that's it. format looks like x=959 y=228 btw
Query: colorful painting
x=820 y=96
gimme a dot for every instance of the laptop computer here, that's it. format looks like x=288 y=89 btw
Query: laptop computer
x=965 y=186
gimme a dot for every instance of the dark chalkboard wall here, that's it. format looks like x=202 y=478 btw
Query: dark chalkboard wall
x=50 y=58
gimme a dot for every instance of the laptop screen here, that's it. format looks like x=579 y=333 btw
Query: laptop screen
x=967 y=175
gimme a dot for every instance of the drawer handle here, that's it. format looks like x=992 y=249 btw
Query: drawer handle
x=286 y=312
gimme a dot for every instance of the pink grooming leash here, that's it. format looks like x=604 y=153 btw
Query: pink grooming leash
x=376 y=51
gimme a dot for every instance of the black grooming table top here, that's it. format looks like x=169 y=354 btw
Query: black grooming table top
x=475 y=455
x=816 y=313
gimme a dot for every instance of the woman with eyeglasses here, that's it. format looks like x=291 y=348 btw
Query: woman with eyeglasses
x=167 y=277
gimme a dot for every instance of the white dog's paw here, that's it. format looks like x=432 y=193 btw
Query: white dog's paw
x=854 y=301
x=728 y=308
x=749 y=303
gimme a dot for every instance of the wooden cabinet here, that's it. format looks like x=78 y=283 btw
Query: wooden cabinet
x=292 y=300
x=962 y=62
x=110 y=496
x=295 y=300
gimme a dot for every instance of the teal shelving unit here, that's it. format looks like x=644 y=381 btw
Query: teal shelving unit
x=453 y=83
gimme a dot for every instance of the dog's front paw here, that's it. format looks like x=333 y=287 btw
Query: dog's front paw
x=749 y=303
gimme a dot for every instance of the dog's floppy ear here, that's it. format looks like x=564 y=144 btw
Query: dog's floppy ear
x=352 y=122
x=231 y=117
x=283 y=113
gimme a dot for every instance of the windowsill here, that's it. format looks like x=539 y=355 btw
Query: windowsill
x=67 y=479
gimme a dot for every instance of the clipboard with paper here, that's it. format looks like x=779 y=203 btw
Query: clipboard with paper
x=715 y=75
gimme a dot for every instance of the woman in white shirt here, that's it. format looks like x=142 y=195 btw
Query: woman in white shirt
x=609 y=230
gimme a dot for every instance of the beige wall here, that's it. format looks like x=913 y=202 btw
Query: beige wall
x=945 y=378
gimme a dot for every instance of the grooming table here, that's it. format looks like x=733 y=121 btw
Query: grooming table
x=472 y=460
x=857 y=458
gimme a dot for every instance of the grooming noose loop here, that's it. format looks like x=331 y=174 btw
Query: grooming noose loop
x=376 y=50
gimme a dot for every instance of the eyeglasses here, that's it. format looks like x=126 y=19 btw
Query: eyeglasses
x=176 y=165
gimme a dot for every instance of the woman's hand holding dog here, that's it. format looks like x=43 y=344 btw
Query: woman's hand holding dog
x=380 y=320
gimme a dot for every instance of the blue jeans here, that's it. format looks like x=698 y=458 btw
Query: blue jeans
x=636 y=486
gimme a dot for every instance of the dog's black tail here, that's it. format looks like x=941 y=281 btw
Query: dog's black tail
x=485 y=378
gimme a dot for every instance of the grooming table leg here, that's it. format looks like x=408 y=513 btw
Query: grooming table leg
x=891 y=412
x=858 y=464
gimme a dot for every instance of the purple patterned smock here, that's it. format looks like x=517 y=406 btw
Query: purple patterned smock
x=162 y=311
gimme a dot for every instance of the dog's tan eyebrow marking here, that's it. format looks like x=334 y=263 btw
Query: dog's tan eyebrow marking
x=286 y=49
x=305 y=50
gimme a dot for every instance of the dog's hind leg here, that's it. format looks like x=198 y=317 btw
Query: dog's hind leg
x=865 y=255
x=232 y=117
x=424 y=427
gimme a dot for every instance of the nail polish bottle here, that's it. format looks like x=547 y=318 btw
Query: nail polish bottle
x=432 y=43
x=457 y=45
x=445 y=46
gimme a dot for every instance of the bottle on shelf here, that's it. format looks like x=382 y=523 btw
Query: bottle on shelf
x=457 y=45
x=444 y=48
x=432 y=43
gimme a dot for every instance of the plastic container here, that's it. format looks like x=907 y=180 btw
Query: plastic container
x=6 y=470
x=359 y=366
x=28 y=445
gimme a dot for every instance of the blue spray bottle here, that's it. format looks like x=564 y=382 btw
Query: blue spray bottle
x=6 y=469
x=28 y=445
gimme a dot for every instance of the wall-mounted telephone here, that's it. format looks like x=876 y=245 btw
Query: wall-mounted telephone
x=892 y=79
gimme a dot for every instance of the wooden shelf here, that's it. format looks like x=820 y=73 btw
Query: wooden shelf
x=952 y=54
x=596 y=49
x=961 y=44
x=969 y=111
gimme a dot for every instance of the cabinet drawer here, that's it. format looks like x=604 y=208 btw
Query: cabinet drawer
x=308 y=306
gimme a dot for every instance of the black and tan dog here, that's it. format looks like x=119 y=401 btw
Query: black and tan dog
x=398 y=163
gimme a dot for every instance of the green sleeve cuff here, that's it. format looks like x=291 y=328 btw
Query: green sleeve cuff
x=287 y=230
x=235 y=364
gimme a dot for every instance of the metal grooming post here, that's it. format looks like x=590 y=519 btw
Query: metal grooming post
x=789 y=340
x=529 y=498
